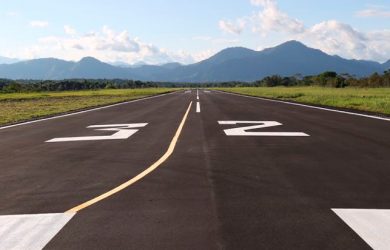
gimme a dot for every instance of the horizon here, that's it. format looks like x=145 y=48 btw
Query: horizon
x=189 y=33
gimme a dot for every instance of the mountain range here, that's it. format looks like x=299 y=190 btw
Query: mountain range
x=232 y=64
x=7 y=60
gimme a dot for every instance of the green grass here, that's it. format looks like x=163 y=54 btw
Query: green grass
x=373 y=99
x=17 y=107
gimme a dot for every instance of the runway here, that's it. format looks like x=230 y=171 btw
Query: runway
x=197 y=169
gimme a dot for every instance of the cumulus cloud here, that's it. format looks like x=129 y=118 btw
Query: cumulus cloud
x=39 y=24
x=106 y=45
x=336 y=38
x=331 y=36
x=271 y=18
x=374 y=12
x=232 y=28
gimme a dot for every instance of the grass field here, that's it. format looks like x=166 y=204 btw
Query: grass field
x=19 y=107
x=373 y=100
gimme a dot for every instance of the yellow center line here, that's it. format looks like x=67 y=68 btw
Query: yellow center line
x=150 y=169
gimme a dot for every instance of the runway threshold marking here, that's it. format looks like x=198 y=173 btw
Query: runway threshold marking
x=150 y=169
x=372 y=225
x=30 y=231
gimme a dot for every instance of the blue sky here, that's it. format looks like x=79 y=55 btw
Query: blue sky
x=187 y=31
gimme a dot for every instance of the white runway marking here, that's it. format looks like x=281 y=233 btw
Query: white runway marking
x=31 y=232
x=206 y=91
x=82 y=112
x=312 y=107
x=197 y=94
x=124 y=131
x=197 y=107
x=188 y=92
x=243 y=131
x=372 y=225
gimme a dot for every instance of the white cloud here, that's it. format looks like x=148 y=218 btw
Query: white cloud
x=331 y=36
x=338 y=38
x=272 y=19
x=39 y=24
x=232 y=28
x=374 y=12
x=107 y=45
x=69 y=30
x=269 y=19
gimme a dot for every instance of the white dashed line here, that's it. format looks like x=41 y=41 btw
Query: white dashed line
x=197 y=107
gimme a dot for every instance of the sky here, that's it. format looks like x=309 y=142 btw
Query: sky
x=187 y=31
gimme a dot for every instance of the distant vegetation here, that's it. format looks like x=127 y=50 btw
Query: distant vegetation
x=326 y=79
x=12 y=86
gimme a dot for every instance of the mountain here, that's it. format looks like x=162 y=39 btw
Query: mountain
x=232 y=64
x=173 y=65
x=120 y=64
x=7 y=60
x=46 y=68
x=55 y=69
x=230 y=54
x=92 y=68
x=386 y=65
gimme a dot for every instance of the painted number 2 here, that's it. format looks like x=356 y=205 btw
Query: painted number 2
x=245 y=131
x=123 y=131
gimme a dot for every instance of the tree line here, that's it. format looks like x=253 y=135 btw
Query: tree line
x=326 y=79
x=12 y=86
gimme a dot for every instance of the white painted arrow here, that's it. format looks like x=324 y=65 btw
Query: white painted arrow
x=372 y=225
x=30 y=231
x=124 y=131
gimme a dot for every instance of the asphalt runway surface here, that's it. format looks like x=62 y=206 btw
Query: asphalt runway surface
x=232 y=172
